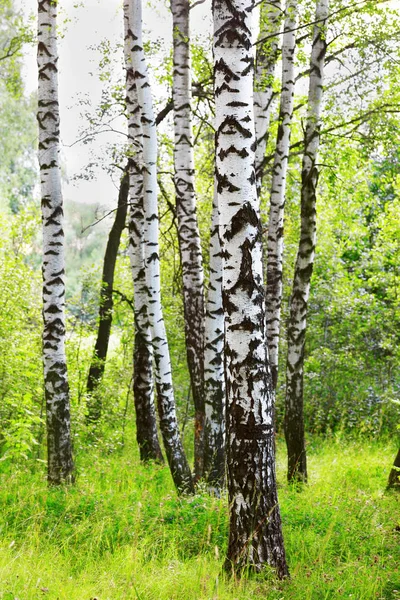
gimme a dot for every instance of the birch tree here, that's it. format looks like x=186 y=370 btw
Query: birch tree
x=266 y=59
x=165 y=394
x=97 y=365
x=297 y=323
x=59 y=447
x=214 y=383
x=143 y=386
x=188 y=230
x=394 y=475
x=278 y=189
x=255 y=535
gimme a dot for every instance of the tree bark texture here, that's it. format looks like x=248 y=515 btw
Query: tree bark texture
x=177 y=460
x=188 y=230
x=394 y=476
x=96 y=370
x=143 y=381
x=255 y=536
x=294 y=414
x=59 y=446
x=278 y=190
x=266 y=59
x=214 y=383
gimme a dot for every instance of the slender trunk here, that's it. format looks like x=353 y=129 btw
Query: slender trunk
x=294 y=417
x=214 y=383
x=59 y=446
x=188 y=230
x=278 y=190
x=165 y=394
x=266 y=59
x=143 y=387
x=394 y=477
x=98 y=363
x=255 y=536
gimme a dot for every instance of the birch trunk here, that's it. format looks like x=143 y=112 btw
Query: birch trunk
x=165 y=394
x=266 y=59
x=188 y=230
x=214 y=383
x=294 y=417
x=278 y=190
x=394 y=476
x=255 y=536
x=59 y=447
x=143 y=387
x=96 y=370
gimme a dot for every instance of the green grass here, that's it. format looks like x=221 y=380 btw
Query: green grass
x=121 y=532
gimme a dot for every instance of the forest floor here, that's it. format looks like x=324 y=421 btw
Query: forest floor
x=122 y=533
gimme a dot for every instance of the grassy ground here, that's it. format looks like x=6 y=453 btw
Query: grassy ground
x=122 y=533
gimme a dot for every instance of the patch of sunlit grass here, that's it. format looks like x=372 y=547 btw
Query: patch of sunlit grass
x=121 y=532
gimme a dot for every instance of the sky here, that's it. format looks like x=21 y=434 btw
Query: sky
x=83 y=26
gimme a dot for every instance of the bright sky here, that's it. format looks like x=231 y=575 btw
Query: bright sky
x=90 y=22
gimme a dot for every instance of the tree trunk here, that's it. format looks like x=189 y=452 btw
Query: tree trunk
x=278 y=190
x=214 y=383
x=266 y=59
x=143 y=387
x=165 y=394
x=394 y=477
x=59 y=446
x=255 y=536
x=294 y=417
x=188 y=230
x=96 y=370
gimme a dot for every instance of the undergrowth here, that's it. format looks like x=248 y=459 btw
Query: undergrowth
x=122 y=533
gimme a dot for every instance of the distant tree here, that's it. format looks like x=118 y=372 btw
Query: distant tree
x=394 y=477
x=188 y=229
x=177 y=460
x=278 y=188
x=97 y=365
x=59 y=447
x=266 y=58
x=143 y=379
x=297 y=323
x=255 y=536
x=214 y=382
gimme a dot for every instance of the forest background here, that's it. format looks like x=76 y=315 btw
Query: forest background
x=352 y=359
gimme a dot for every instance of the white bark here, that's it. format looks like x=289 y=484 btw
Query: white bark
x=214 y=383
x=294 y=418
x=278 y=189
x=165 y=393
x=266 y=59
x=59 y=448
x=188 y=230
x=255 y=537
x=143 y=382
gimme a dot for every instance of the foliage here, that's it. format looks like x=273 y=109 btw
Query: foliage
x=18 y=171
x=21 y=389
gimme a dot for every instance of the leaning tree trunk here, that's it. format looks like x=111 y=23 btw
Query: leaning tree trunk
x=143 y=388
x=297 y=323
x=98 y=363
x=394 y=477
x=59 y=447
x=214 y=383
x=278 y=190
x=266 y=59
x=255 y=536
x=177 y=461
x=188 y=230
